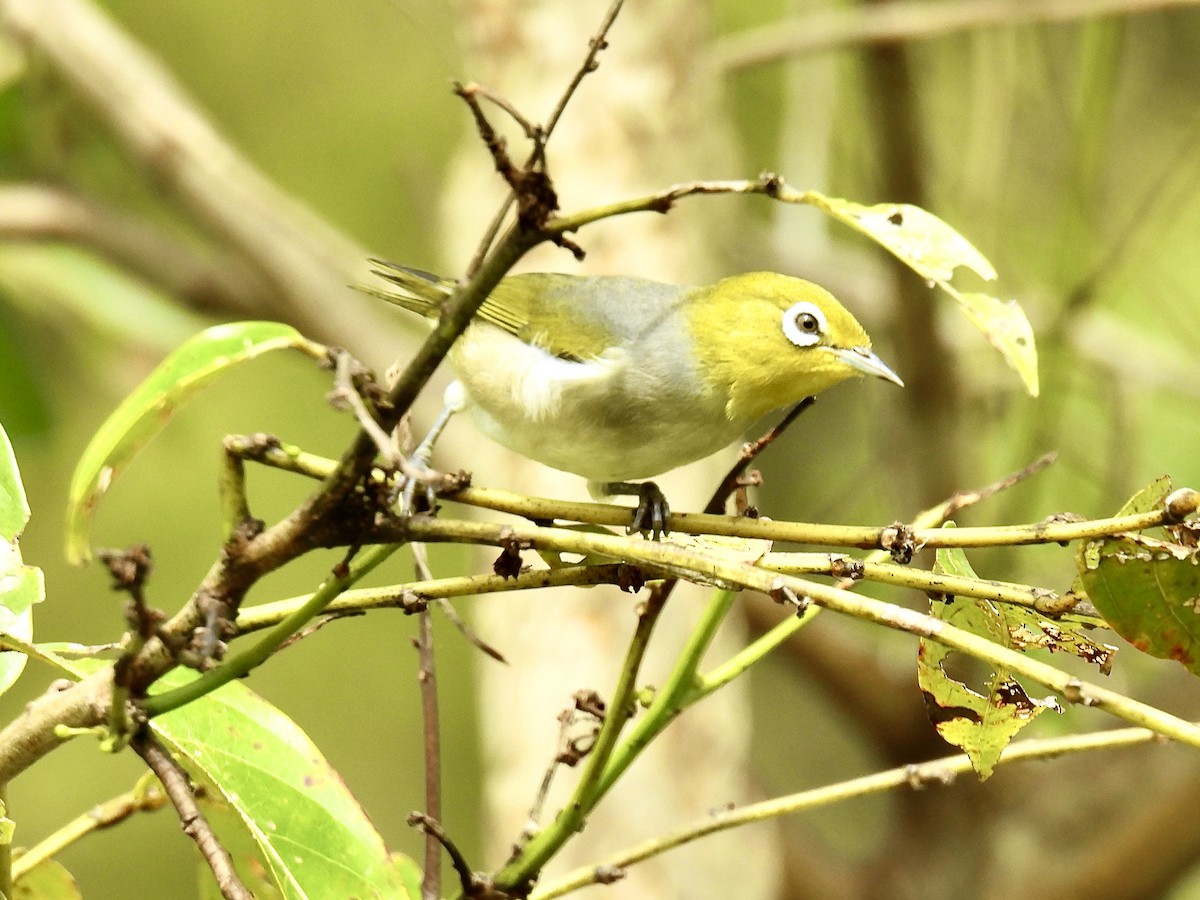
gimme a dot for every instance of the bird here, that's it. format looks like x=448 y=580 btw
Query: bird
x=619 y=379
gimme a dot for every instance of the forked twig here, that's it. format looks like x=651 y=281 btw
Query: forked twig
x=597 y=43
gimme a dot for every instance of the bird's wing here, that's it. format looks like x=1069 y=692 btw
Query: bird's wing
x=547 y=310
x=533 y=307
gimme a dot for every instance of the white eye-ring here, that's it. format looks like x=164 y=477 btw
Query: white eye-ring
x=803 y=323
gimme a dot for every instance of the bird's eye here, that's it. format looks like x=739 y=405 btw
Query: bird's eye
x=803 y=323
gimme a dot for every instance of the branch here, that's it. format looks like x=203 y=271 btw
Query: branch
x=909 y=20
x=408 y=596
x=1053 y=530
x=711 y=569
x=537 y=156
x=940 y=772
x=175 y=783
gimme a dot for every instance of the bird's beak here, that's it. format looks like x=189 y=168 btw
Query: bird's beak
x=864 y=360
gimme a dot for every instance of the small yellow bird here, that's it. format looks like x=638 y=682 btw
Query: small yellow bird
x=619 y=379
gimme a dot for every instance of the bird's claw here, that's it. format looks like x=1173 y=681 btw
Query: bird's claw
x=653 y=514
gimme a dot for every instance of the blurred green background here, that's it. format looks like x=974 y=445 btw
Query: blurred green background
x=1067 y=153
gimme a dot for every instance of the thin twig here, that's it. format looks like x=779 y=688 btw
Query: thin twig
x=1053 y=530
x=716 y=505
x=431 y=881
x=597 y=43
x=963 y=499
x=175 y=781
x=465 y=629
x=407 y=596
x=939 y=772
x=430 y=826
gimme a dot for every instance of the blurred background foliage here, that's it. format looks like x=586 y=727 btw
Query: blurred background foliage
x=1067 y=153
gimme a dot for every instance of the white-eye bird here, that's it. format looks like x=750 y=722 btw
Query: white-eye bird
x=619 y=379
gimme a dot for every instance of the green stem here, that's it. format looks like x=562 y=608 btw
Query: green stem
x=526 y=865
x=242 y=663
x=865 y=537
x=753 y=653
x=677 y=693
x=935 y=772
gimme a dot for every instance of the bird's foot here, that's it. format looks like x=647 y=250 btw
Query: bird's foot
x=653 y=514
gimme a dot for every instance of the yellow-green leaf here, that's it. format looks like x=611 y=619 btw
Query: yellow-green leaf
x=1004 y=324
x=915 y=236
x=144 y=412
x=48 y=880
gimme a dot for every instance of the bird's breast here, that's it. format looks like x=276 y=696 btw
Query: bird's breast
x=627 y=414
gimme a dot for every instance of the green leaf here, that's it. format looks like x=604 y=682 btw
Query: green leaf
x=144 y=412
x=1148 y=498
x=1004 y=324
x=1149 y=593
x=979 y=722
x=915 y=236
x=48 y=880
x=14 y=508
x=289 y=811
x=21 y=586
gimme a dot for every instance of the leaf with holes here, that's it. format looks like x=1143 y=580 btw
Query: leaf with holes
x=1149 y=593
x=1004 y=324
x=915 y=236
x=144 y=412
x=979 y=722
x=933 y=249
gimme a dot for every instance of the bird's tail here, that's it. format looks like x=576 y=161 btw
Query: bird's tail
x=420 y=292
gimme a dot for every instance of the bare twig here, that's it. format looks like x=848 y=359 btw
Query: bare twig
x=175 y=782
x=404 y=596
x=716 y=505
x=537 y=156
x=469 y=882
x=963 y=499
x=465 y=629
x=909 y=20
x=431 y=881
